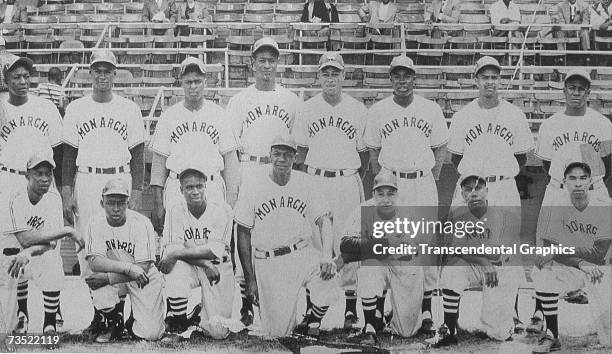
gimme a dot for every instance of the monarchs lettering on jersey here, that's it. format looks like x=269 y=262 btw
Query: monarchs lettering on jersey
x=36 y=222
x=476 y=235
x=22 y=121
x=283 y=202
x=413 y=122
x=195 y=127
x=576 y=136
x=574 y=226
x=331 y=122
x=196 y=233
x=120 y=245
x=103 y=123
x=492 y=129
x=268 y=110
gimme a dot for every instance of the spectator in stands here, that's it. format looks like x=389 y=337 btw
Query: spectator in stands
x=160 y=11
x=194 y=11
x=505 y=12
x=317 y=11
x=600 y=13
x=445 y=11
x=378 y=12
x=4 y=60
x=53 y=90
x=573 y=12
x=13 y=11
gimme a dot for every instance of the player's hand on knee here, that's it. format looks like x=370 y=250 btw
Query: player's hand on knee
x=18 y=264
x=212 y=273
x=97 y=281
x=327 y=268
x=167 y=264
x=157 y=218
x=592 y=271
x=252 y=293
x=138 y=275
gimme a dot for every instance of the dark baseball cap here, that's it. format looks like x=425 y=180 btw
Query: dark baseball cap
x=385 y=179
x=15 y=62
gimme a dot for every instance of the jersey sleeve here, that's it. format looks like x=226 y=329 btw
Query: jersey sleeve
x=523 y=143
x=456 y=143
x=94 y=240
x=300 y=127
x=439 y=134
x=55 y=126
x=136 y=130
x=362 y=116
x=550 y=225
x=371 y=136
x=17 y=216
x=244 y=213
x=69 y=130
x=227 y=137
x=543 y=148
x=145 y=250
x=160 y=142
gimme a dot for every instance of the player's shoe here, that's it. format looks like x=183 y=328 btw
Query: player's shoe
x=246 y=317
x=22 y=324
x=519 y=326
x=536 y=326
x=193 y=317
x=59 y=320
x=443 y=338
x=427 y=327
x=51 y=332
x=96 y=327
x=350 y=319
x=302 y=327
x=177 y=325
x=547 y=344
x=114 y=331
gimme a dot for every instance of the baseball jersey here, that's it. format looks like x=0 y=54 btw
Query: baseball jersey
x=30 y=128
x=213 y=228
x=259 y=116
x=136 y=237
x=332 y=134
x=279 y=215
x=496 y=229
x=23 y=215
x=406 y=135
x=488 y=139
x=103 y=132
x=563 y=139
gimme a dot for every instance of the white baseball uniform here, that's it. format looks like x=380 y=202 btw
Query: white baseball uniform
x=582 y=229
x=137 y=238
x=334 y=138
x=103 y=133
x=281 y=219
x=405 y=137
x=30 y=128
x=191 y=139
x=458 y=275
x=488 y=139
x=403 y=276
x=563 y=139
x=213 y=229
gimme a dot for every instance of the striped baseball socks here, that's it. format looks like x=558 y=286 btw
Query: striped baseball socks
x=450 y=303
x=22 y=297
x=51 y=301
x=549 y=304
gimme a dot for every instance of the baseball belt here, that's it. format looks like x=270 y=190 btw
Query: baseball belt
x=104 y=171
x=175 y=175
x=260 y=159
x=11 y=170
x=280 y=251
x=330 y=173
x=495 y=178
x=220 y=260
x=408 y=175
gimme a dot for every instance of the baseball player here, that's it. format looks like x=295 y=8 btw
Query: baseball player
x=121 y=254
x=104 y=139
x=406 y=135
x=584 y=224
x=329 y=132
x=197 y=253
x=274 y=213
x=30 y=119
x=258 y=114
x=381 y=272
x=189 y=134
x=497 y=274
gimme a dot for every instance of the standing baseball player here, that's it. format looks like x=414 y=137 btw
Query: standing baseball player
x=104 y=139
x=378 y=273
x=258 y=114
x=121 y=253
x=197 y=253
x=192 y=133
x=329 y=132
x=497 y=274
x=406 y=135
x=32 y=125
x=585 y=225
x=275 y=212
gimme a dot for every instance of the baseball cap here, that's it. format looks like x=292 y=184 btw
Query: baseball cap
x=38 y=158
x=265 y=42
x=385 y=179
x=192 y=61
x=103 y=56
x=401 y=61
x=116 y=186
x=470 y=177
x=192 y=169
x=333 y=59
x=486 y=61
x=284 y=140
x=14 y=61
x=578 y=72
x=577 y=164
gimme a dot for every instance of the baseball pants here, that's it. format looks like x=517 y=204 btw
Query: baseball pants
x=557 y=195
x=405 y=282
x=147 y=304
x=279 y=290
x=497 y=310
x=557 y=278
x=8 y=297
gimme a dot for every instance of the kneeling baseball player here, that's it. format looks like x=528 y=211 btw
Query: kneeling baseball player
x=121 y=253
x=586 y=226
x=197 y=253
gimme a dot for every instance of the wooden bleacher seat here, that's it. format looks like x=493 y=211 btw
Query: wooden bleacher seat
x=42 y=19
x=72 y=18
x=90 y=33
x=376 y=77
x=471 y=18
x=258 y=18
x=103 y=18
x=158 y=75
x=110 y=8
x=198 y=35
x=134 y=8
x=472 y=8
x=71 y=57
x=259 y=8
x=281 y=32
x=53 y=9
x=289 y=8
x=430 y=43
x=39 y=42
x=130 y=18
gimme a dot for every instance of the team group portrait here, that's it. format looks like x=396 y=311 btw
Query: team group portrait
x=233 y=176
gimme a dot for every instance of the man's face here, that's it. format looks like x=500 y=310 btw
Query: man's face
x=265 y=62
x=385 y=199
x=474 y=193
x=103 y=76
x=40 y=178
x=577 y=182
x=193 y=86
x=193 y=189
x=18 y=81
x=576 y=92
x=282 y=158
x=402 y=81
x=115 y=206
x=330 y=79
x=487 y=81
